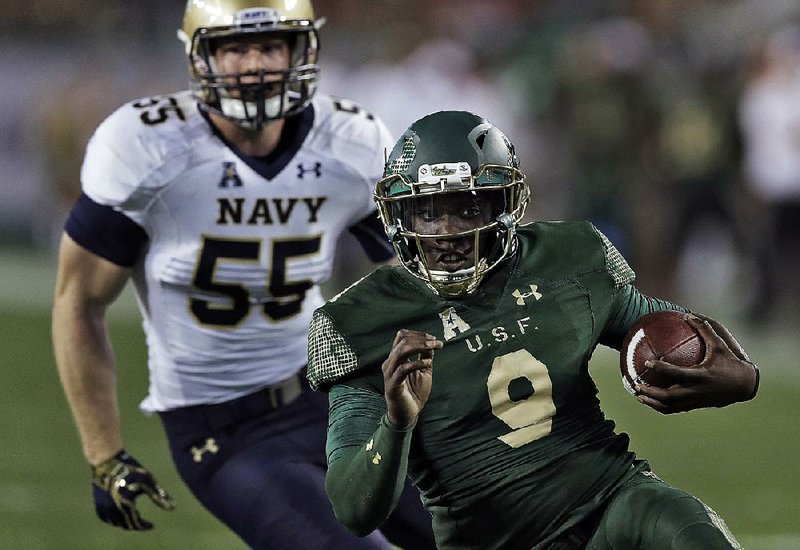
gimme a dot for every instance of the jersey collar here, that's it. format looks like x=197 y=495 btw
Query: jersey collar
x=295 y=130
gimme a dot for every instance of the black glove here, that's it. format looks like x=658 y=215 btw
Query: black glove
x=115 y=485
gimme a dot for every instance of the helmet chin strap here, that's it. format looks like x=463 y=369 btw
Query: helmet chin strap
x=239 y=110
x=441 y=276
x=454 y=283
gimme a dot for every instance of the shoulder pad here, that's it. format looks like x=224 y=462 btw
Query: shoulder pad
x=130 y=148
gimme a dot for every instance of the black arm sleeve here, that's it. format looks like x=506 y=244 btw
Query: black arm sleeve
x=105 y=232
x=372 y=238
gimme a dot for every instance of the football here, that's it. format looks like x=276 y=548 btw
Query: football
x=662 y=335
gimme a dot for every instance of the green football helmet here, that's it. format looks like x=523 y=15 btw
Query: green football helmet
x=251 y=104
x=452 y=165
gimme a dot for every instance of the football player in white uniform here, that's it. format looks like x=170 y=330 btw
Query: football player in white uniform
x=223 y=205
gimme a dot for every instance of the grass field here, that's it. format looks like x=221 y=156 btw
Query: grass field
x=742 y=461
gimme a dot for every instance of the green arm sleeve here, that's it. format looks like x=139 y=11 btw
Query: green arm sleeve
x=630 y=304
x=367 y=459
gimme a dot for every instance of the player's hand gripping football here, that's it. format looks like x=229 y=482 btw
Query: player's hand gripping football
x=725 y=375
x=115 y=485
x=407 y=376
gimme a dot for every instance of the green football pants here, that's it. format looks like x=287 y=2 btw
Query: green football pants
x=648 y=514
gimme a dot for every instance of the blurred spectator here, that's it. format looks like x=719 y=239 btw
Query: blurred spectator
x=645 y=121
x=68 y=117
x=602 y=109
x=770 y=124
x=437 y=74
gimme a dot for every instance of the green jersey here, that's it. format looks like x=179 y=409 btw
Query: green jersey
x=512 y=447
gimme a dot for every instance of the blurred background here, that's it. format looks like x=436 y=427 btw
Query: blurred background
x=674 y=125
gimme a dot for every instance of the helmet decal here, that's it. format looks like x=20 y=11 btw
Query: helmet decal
x=401 y=163
x=513 y=160
x=256 y=15
x=478 y=139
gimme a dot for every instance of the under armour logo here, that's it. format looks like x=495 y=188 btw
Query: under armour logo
x=376 y=458
x=520 y=296
x=210 y=446
x=302 y=170
x=230 y=178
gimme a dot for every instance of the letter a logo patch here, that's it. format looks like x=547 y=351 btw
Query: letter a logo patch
x=230 y=177
x=452 y=323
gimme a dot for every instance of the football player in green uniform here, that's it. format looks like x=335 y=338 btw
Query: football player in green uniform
x=466 y=367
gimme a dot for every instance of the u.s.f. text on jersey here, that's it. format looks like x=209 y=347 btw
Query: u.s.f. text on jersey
x=453 y=325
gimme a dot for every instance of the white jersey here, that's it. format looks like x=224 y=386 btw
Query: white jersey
x=237 y=247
